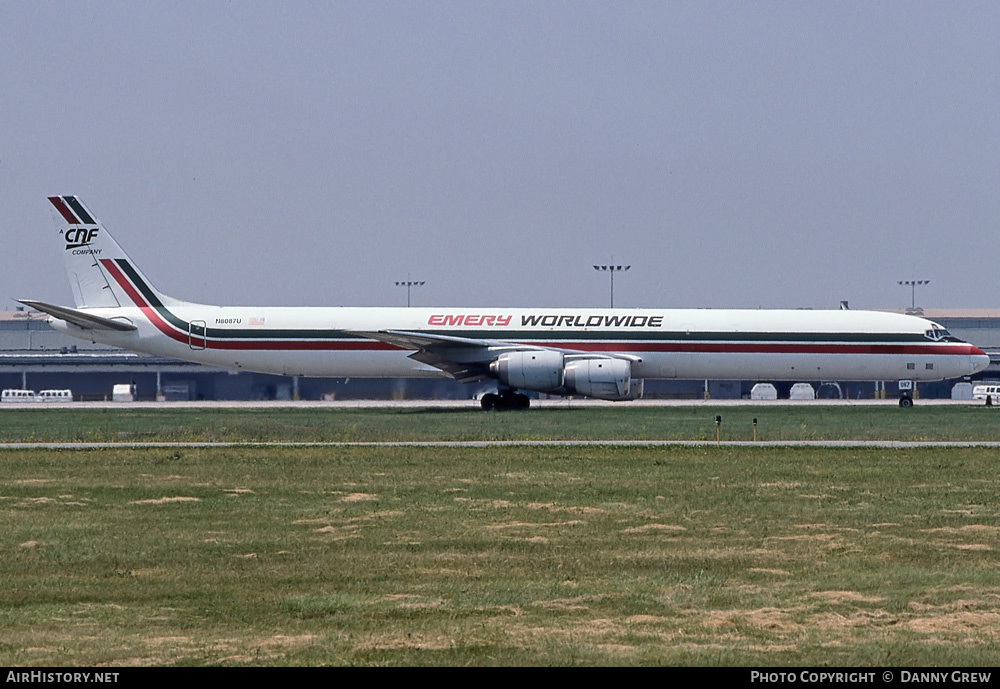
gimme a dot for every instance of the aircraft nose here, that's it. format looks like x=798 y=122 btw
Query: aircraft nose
x=980 y=359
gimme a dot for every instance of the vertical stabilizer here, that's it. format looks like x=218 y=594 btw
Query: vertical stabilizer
x=94 y=261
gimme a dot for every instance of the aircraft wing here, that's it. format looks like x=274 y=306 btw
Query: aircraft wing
x=463 y=358
x=466 y=359
x=82 y=319
x=405 y=339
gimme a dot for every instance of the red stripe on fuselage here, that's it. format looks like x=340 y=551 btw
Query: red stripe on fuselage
x=186 y=338
x=148 y=311
x=302 y=345
x=762 y=348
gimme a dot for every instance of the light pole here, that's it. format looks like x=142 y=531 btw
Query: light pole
x=912 y=284
x=408 y=284
x=612 y=269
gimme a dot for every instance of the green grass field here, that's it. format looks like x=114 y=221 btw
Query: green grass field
x=786 y=422
x=583 y=555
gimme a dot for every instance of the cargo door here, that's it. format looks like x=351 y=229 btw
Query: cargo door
x=197 y=331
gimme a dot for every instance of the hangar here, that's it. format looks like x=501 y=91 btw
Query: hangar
x=34 y=356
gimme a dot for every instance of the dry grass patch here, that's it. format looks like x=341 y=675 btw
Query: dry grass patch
x=846 y=596
x=530 y=525
x=165 y=501
x=958 y=623
x=359 y=497
x=660 y=528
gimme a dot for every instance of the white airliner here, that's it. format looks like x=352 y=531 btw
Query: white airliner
x=600 y=353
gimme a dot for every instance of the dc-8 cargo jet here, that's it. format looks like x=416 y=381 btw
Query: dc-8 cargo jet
x=600 y=353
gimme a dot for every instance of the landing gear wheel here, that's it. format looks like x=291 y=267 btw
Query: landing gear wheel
x=905 y=402
x=513 y=400
x=504 y=401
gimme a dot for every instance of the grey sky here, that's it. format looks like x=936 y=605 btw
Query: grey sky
x=765 y=154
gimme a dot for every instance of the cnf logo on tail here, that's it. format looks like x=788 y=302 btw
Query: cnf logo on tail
x=80 y=236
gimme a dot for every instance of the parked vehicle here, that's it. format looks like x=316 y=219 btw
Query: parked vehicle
x=12 y=395
x=802 y=391
x=123 y=392
x=763 y=391
x=829 y=391
x=991 y=390
x=55 y=396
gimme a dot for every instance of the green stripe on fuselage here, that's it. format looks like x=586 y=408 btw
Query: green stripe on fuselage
x=227 y=334
x=647 y=335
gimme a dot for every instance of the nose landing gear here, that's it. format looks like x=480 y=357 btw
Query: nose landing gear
x=906 y=390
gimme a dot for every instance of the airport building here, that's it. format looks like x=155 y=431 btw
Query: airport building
x=33 y=356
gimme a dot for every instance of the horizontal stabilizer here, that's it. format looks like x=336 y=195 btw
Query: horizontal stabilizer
x=82 y=319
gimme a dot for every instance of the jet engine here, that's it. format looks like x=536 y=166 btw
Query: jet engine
x=540 y=370
x=602 y=378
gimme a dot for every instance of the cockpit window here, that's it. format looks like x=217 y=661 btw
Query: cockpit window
x=937 y=334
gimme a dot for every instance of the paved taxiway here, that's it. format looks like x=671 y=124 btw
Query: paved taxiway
x=892 y=444
x=473 y=404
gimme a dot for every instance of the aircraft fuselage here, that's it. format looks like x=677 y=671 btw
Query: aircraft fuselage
x=664 y=343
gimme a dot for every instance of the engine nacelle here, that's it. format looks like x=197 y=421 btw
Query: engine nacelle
x=603 y=379
x=540 y=371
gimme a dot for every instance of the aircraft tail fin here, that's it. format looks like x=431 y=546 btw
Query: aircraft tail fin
x=100 y=272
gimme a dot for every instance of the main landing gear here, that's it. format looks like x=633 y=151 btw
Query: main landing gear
x=504 y=401
x=905 y=394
